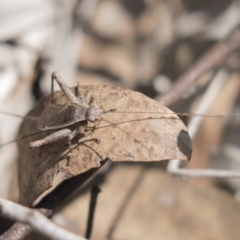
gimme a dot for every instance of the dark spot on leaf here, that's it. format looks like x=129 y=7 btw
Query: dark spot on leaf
x=184 y=144
x=129 y=155
x=136 y=141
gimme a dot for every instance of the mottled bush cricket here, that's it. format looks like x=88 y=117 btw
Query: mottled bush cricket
x=64 y=118
x=60 y=116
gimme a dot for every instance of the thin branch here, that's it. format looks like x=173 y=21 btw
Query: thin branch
x=193 y=126
x=93 y=202
x=212 y=59
x=211 y=173
x=49 y=204
x=122 y=208
x=18 y=229
x=208 y=98
x=35 y=220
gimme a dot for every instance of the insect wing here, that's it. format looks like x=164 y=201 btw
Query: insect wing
x=60 y=115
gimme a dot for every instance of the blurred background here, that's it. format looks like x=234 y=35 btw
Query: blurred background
x=143 y=45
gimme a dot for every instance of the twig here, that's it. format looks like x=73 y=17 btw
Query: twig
x=49 y=204
x=122 y=208
x=93 y=201
x=174 y=165
x=18 y=229
x=204 y=173
x=35 y=220
x=210 y=95
x=215 y=57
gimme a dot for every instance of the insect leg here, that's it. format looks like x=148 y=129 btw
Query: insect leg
x=56 y=136
x=66 y=90
x=52 y=91
x=82 y=131
x=79 y=94
x=70 y=137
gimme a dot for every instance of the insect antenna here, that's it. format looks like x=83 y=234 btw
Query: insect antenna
x=110 y=123
x=110 y=110
x=19 y=116
x=186 y=114
x=21 y=137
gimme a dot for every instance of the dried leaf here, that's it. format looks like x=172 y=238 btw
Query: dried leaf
x=140 y=130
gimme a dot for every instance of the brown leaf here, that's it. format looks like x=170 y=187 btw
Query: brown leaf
x=139 y=130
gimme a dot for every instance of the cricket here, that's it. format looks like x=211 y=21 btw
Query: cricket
x=64 y=119
x=60 y=116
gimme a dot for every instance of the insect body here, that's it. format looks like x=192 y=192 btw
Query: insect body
x=63 y=117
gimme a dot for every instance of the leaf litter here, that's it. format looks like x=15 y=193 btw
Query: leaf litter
x=139 y=130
